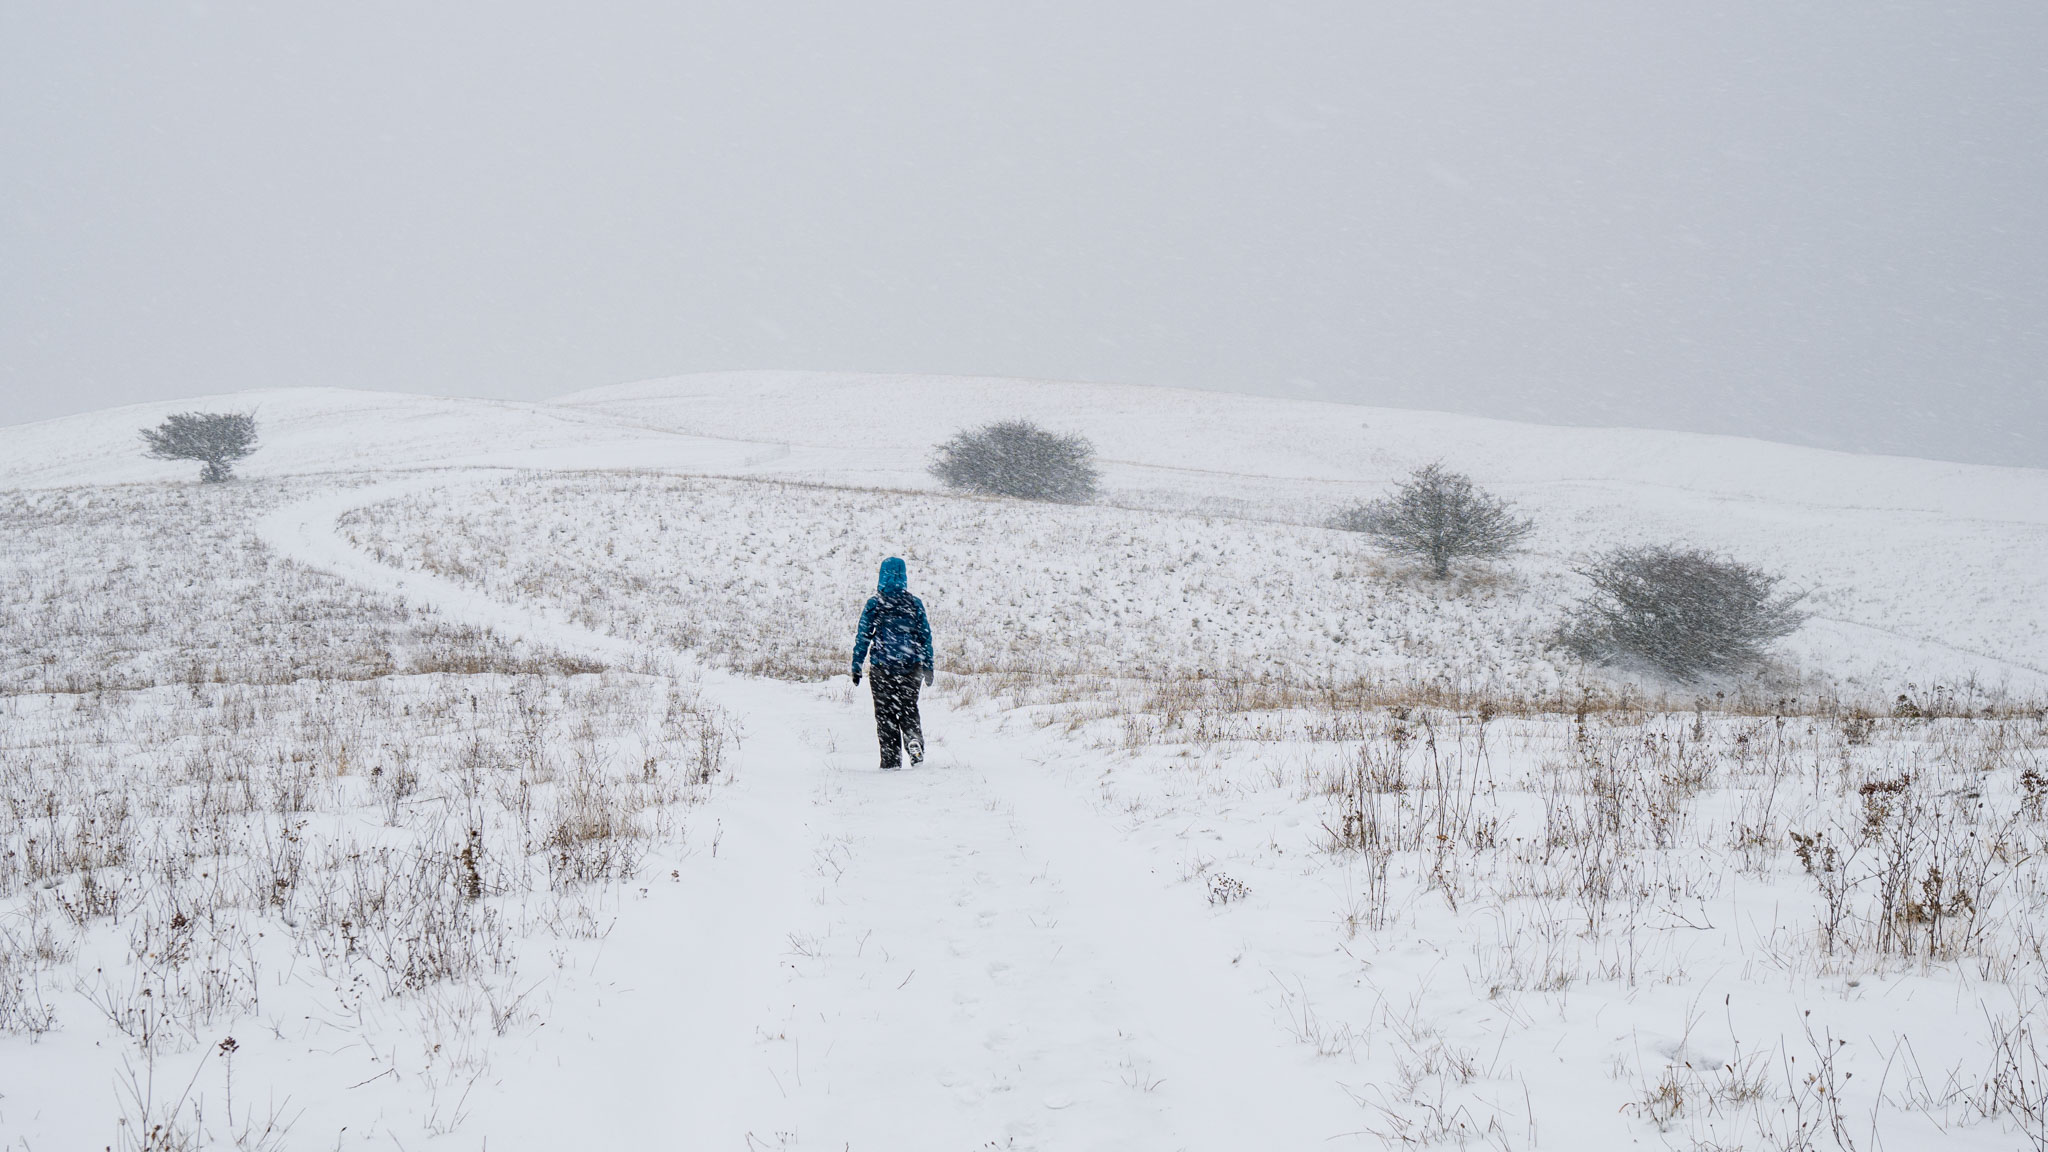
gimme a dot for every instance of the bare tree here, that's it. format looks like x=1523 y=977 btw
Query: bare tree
x=1018 y=458
x=218 y=438
x=1685 y=612
x=1438 y=516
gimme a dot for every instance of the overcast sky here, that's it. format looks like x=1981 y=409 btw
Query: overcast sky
x=1821 y=222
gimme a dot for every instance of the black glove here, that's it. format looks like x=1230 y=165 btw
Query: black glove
x=927 y=670
x=856 y=675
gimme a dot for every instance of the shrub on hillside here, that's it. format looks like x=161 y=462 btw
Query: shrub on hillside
x=1018 y=458
x=1685 y=612
x=1438 y=516
x=217 y=438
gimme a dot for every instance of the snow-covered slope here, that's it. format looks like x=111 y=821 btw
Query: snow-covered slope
x=1919 y=570
x=1188 y=440
x=314 y=430
x=1180 y=435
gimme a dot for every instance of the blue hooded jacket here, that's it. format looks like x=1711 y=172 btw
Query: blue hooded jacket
x=894 y=634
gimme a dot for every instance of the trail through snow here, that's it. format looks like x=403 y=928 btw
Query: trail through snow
x=965 y=955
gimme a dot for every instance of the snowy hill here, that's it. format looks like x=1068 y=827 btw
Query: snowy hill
x=1921 y=571
x=479 y=774
x=310 y=431
x=888 y=423
x=1182 y=434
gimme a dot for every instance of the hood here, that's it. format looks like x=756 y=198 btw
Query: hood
x=895 y=576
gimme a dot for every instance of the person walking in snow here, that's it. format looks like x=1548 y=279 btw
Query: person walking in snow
x=895 y=641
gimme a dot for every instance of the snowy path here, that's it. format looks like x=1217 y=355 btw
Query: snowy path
x=962 y=956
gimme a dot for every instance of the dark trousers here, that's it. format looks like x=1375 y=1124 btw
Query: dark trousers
x=896 y=721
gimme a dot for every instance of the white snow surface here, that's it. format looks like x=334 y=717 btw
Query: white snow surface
x=1010 y=946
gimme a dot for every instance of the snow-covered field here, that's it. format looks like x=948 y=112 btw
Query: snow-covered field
x=480 y=769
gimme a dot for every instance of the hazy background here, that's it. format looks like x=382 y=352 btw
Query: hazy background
x=1817 y=222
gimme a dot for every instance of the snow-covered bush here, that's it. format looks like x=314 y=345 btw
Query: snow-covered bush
x=1018 y=458
x=1438 y=516
x=1683 y=611
x=216 y=438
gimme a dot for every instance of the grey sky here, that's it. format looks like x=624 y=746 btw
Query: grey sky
x=1817 y=222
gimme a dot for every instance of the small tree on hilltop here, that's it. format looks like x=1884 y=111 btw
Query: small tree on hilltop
x=1437 y=517
x=1018 y=458
x=1683 y=611
x=218 y=438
